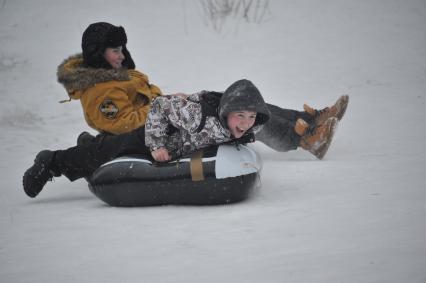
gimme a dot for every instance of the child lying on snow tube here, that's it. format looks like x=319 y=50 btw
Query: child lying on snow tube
x=215 y=175
x=175 y=127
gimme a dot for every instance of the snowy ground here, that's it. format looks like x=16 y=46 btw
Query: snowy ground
x=357 y=216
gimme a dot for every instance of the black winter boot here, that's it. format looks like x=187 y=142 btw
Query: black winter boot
x=37 y=175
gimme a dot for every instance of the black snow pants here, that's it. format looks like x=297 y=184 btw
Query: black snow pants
x=278 y=133
x=82 y=160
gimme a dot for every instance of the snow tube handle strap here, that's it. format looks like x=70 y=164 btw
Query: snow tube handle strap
x=196 y=166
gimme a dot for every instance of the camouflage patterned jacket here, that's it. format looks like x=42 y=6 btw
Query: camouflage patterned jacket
x=173 y=123
x=178 y=125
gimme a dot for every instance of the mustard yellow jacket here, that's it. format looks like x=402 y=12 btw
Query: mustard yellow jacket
x=114 y=101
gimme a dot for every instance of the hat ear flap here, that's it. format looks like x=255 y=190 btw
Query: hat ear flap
x=128 y=61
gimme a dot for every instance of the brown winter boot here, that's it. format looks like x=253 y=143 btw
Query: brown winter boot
x=337 y=110
x=318 y=140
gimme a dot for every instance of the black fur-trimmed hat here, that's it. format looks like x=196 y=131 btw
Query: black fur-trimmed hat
x=97 y=38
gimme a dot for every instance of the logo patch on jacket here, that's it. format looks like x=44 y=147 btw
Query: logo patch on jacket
x=108 y=109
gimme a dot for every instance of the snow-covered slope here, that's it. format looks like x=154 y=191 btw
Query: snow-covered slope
x=357 y=216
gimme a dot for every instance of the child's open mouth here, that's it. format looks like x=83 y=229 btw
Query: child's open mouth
x=240 y=130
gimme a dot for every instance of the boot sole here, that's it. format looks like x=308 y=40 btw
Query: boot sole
x=343 y=101
x=322 y=148
x=28 y=192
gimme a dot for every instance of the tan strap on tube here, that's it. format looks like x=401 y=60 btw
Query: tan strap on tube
x=197 y=166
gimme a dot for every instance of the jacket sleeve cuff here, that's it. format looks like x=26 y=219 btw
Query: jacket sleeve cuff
x=155 y=147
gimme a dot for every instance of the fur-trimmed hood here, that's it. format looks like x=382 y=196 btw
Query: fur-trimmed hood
x=75 y=76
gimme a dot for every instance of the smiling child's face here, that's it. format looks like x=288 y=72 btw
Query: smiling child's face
x=114 y=56
x=240 y=121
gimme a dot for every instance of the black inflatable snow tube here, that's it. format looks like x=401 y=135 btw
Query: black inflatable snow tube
x=132 y=181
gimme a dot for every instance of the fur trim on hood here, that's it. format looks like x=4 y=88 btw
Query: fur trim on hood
x=75 y=76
